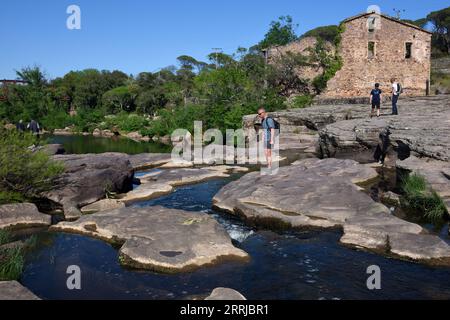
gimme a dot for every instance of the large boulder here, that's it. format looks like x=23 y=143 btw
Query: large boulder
x=159 y=239
x=22 y=215
x=326 y=193
x=87 y=178
x=12 y=290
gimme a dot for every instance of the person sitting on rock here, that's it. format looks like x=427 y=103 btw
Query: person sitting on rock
x=383 y=146
x=375 y=99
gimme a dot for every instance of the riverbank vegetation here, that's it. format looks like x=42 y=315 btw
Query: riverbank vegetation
x=24 y=173
x=11 y=258
x=419 y=198
x=219 y=91
x=12 y=255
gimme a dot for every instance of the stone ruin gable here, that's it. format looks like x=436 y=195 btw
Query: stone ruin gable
x=359 y=72
x=301 y=46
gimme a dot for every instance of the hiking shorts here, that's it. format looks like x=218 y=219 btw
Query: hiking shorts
x=376 y=105
x=268 y=145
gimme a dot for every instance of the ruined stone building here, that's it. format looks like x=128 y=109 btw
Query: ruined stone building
x=374 y=48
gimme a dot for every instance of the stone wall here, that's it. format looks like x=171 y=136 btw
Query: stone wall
x=359 y=72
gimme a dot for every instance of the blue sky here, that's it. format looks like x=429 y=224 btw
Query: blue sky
x=137 y=35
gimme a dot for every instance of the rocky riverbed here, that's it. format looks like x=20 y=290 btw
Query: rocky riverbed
x=324 y=194
x=98 y=193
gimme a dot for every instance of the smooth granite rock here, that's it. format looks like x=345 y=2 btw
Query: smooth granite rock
x=322 y=194
x=159 y=239
x=87 y=178
x=12 y=290
x=420 y=129
x=102 y=205
x=149 y=160
x=22 y=215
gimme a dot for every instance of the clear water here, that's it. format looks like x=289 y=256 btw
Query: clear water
x=78 y=144
x=291 y=265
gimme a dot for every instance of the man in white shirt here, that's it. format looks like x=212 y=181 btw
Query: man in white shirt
x=395 y=96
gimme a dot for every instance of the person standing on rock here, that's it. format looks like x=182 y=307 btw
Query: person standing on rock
x=34 y=127
x=395 y=95
x=268 y=125
x=375 y=99
x=20 y=126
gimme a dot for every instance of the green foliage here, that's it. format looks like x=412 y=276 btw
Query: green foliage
x=440 y=81
x=5 y=237
x=440 y=21
x=326 y=33
x=11 y=264
x=419 y=23
x=300 y=102
x=126 y=122
x=331 y=63
x=418 y=197
x=56 y=119
x=87 y=120
x=120 y=99
x=281 y=32
x=283 y=75
x=24 y=174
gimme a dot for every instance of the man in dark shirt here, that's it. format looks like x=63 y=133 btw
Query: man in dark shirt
x=375 y=99
x=20 y=126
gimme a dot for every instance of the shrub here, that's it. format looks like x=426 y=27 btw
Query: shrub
x=56 y=119
x=24 y=174
x=419 y=198
x=126 y=122
x=300 y=102
x=87 y=120
x=11 y=263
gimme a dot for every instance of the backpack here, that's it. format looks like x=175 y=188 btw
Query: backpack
x=399 y=88
x=276 y=123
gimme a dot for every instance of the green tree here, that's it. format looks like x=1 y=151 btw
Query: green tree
x=441 y=26
x=326 y=33
x=281 y=32
x=120 y=99
x=24 y=174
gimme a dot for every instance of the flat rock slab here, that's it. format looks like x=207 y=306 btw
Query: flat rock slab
x=22 y=215
x=145 y=161
x=309 y=193
x=322 y=194
x=86 y=179
x=164 y=182
x=159 y=239
x=224 y=294
x=102 y=205
x=13 y=290
x=411 y=132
